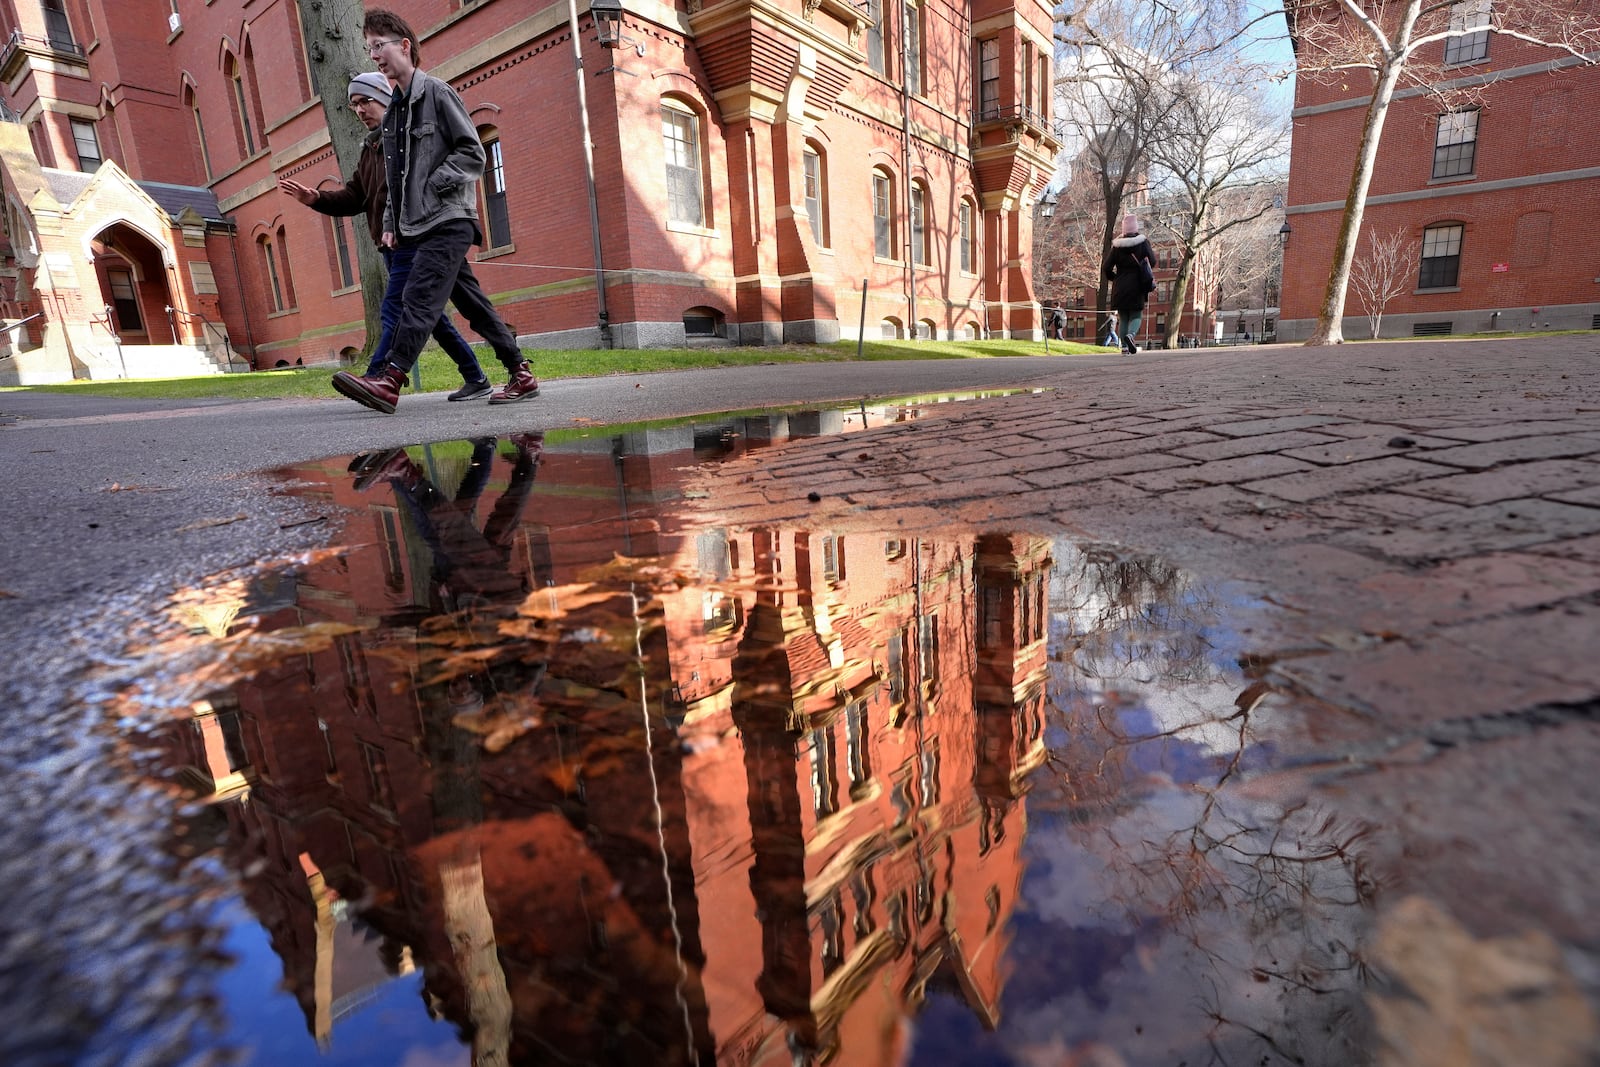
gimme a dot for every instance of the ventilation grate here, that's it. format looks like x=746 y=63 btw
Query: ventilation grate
x=1594 y=323
x=1431 y=329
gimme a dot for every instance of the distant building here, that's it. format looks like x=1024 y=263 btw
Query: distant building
x=1500 y=198
x=755 y=165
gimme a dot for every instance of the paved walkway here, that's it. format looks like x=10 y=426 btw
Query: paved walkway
x=1418 y=526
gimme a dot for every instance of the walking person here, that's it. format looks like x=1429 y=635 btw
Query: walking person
x=433 y=161
x=1130 y=268
x=367 y=192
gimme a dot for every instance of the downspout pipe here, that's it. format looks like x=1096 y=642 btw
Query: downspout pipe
x=905 y=171
x=601 y=311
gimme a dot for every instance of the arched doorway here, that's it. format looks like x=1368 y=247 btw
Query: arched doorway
x=134 y=294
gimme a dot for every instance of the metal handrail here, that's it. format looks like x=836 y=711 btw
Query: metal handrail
x=227 y=346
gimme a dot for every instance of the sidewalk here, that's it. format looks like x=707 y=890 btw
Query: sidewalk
x=1414 y=531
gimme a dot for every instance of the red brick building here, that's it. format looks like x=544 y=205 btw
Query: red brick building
x=1498 y=196
x=754 y=165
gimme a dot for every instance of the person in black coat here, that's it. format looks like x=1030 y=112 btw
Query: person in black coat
x=1128 y=287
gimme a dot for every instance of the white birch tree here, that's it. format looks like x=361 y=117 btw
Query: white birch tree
x=1382 y=273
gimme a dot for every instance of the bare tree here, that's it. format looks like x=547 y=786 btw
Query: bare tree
x=1217 y=154
x=1382 y=274
x=1383 y=38
x=336 y=51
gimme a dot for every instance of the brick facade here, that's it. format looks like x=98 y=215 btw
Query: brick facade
x=1527 y=202
x=760 y=87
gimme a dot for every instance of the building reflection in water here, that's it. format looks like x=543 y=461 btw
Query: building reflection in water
x=631 y=788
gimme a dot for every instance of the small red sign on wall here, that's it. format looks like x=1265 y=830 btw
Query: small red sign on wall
x=1500 y=268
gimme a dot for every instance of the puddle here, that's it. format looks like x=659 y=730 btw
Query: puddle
x=539 y=764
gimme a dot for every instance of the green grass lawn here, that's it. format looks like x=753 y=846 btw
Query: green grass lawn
x=438 y=372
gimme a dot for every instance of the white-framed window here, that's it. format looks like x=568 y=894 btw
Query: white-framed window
x=913 y=24
x=1455 y=146
x=87 y=143
x=1441 y=256
x=815 y=165
x=1469 y=32
x=882 y=214
x=989 y=78
x=966 y=256
x=680 y=137
x=919 y=224
x=125 y=300
x=496 y=213
x=875 y=35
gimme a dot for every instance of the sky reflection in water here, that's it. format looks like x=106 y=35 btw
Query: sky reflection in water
x=543 y=766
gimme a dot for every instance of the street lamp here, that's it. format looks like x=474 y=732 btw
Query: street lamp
x=607 y=16
x=1283 y=245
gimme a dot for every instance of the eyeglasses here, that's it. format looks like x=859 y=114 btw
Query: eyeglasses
x=359 y=102
x=374 y=47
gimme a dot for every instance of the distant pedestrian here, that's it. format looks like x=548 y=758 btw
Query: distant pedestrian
x=433 y=160
x=1058 y=324
x=367 y=192
x=1130 y=269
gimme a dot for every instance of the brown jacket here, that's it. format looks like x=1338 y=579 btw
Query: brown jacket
x=367 y=190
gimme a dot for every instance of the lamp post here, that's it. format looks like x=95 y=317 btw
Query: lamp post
x=1283 y=247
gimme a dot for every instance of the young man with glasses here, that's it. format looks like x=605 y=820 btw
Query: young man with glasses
x=367 y=191
x=433 y=161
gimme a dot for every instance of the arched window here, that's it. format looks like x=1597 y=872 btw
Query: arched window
x=344 y=262
x=241 y=109
x=192 y=102
x=496 y=213
x=926 y=330
x=283 y=266
x=882 y=213
x=889 y=328
x=681 y=140
x=967 y=250
x=816 y=183
x=269 y=267
x=919 y=224
x=702 y=322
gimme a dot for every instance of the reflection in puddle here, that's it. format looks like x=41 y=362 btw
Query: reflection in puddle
x=540 y=766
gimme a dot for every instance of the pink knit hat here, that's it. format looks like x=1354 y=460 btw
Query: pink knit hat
x=1130 y=223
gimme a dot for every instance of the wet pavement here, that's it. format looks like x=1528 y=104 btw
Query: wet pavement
x=1208 y=714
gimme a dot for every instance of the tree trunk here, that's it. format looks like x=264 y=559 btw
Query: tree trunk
x=337 y=52
x=1180 y=292
x=1329 y=329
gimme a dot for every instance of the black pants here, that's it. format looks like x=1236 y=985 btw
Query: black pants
x=440 y=272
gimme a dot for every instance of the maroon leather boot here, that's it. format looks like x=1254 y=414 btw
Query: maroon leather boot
x=380 y=391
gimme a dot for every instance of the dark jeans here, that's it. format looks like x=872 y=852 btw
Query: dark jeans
x=455 y=346
x=464 y=558
x=439 y=272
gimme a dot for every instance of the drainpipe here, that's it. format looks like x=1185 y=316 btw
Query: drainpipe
x=905 y=171
x=238 y=280
x=603 y=314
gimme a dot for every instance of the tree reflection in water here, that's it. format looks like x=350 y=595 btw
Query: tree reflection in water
x=626 y=786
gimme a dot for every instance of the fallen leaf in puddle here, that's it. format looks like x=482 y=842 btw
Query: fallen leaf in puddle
x=204 y=524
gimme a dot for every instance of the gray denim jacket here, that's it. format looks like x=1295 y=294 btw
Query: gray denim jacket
x=443 y=164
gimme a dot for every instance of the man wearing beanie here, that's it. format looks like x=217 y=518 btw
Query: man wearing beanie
x=434 y=161
x=367 y=191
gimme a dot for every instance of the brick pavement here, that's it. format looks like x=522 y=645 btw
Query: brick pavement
x=1418 y=524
